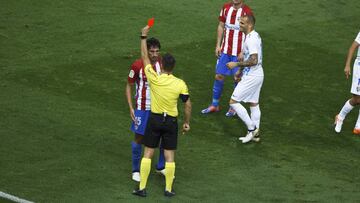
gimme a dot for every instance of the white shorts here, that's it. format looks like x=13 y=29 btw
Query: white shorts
x=248 y=89
x=355 y=87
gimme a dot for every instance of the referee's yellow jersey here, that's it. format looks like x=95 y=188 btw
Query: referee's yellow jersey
x=165 y=90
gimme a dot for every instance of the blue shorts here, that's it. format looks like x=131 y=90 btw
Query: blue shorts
x=221 y=64
x=141 y=119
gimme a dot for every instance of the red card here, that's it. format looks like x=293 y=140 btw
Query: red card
x=151 y=22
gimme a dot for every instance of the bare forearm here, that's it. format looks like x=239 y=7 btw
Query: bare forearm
x=187 y=111
x=144 y=51
x=220 y=32
x=128 y=92
x=252 y=61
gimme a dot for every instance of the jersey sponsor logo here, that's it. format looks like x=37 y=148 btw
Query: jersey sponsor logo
x=232 y=27
x=131 y=74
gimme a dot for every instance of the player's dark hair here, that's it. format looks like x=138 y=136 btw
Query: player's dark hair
x=168 y=62
x=251 y=19
x=153 y=42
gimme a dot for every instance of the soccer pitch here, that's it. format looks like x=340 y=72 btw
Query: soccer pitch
x=64 y=120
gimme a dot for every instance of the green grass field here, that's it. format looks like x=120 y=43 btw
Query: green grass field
x=64 y=121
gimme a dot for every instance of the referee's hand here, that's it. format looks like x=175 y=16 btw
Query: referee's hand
x=186 y=128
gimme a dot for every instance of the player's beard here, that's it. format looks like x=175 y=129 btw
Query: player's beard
x=153 y=60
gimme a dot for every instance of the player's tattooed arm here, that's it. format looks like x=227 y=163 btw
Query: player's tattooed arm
x=253 y=60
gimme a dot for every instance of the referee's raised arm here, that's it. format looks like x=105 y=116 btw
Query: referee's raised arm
x=144 y=51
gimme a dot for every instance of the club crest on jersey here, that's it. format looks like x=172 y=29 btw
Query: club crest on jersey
x=131 y=74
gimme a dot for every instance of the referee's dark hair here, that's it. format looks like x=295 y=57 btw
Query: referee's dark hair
x=153 y=42
x=251 y=19
x=168 y=62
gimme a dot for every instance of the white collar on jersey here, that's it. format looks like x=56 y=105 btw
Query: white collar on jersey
x=248 y=35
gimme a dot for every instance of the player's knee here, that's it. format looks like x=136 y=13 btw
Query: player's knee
x=219 y=77
x=148 y=152
x=138 y=139
x=232 y=101
x=169 y=155
x=253 y=104
x=357 y=101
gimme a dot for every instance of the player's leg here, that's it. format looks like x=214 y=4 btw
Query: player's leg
x=136 y=157
x=217 y=91
x=169 y=172
x=151 y=141
x=138 y=127
x=170 y=145
x=356 y=130
x=160 y=166
x=231 y=112
x=255 y=114
x=243 y=114
x=356 y=91
x=253 y=100
x=339 y=118
x=355 y=100
x=248 y=90
x=349 y=105
x=221 y=71
x=145 y=166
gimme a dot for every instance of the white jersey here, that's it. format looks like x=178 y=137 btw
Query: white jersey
x=355 y=87
x=357 y=39
x=253 y=45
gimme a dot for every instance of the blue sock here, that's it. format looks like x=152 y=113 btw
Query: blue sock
x=136 y=156
x=217 y=91
x=161 y=164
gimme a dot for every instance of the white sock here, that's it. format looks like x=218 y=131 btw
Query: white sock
x=357 y=126
x=255 y=115
x=345 y=109
x=243 y=115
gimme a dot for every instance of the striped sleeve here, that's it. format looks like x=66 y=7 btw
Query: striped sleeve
x=222 y=16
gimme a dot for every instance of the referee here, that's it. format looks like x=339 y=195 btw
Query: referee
x=165 y=89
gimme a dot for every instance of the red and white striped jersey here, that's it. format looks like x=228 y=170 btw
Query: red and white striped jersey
x=232 y=38
x=137 y=76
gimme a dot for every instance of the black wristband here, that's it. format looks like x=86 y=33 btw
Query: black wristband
x=143 y=37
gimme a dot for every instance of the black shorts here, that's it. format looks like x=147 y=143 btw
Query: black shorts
x=164 y=128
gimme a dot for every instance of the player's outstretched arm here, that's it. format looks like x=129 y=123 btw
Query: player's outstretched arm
x=144 y=51
x=351 y=51
x=187 y=116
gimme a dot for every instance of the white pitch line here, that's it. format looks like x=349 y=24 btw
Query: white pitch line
x=13 y=198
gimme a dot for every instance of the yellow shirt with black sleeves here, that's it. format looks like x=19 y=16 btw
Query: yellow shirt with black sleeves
x=165 y=90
